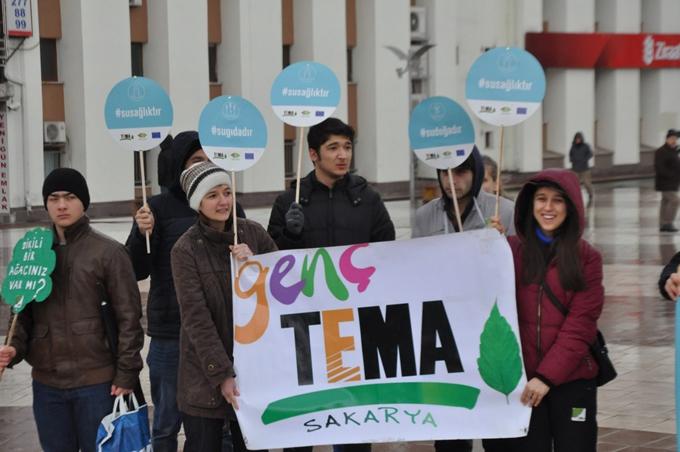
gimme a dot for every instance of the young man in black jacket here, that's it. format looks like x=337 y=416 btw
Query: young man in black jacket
x=167 y=217
x=336 y=207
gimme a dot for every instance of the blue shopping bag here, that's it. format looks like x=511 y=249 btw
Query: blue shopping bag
x=126 y=428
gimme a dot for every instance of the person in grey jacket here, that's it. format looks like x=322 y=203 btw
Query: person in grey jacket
x=477 y=207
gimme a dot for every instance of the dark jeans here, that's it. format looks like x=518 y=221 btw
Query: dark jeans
x=555 y=422
x=453 y=445
x=336 y=448
x=68 y=419
x=205 y=434
x=163 y=361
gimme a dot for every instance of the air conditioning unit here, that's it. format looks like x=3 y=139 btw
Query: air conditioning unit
x=54 y=132
x=135 y=2
x=418 y=23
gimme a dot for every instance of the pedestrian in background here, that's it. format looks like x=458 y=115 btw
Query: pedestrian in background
x=667 y=180
x=579 y=156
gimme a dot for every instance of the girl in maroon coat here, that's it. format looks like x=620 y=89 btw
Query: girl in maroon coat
x=553 y=261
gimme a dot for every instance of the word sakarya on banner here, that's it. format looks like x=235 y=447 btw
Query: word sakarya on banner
x=393 y=341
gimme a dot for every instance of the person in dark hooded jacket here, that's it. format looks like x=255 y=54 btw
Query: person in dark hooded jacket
x=579 y=155
x=477 y=207
x=553 y=264
x=166 y=217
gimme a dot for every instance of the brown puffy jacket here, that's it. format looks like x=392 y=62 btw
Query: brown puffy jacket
x=202 y=272
x=63 y=337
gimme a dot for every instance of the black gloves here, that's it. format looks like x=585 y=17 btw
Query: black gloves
x=295 y=219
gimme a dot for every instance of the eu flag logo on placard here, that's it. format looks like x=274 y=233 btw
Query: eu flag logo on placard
x=521 y=111
x=250 y=156
x=155 y=134
x=460 y=152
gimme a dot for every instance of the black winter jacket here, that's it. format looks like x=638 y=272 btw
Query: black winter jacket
x=667 y=169
x=172 y=218
x=579 y=154
x=349 y=213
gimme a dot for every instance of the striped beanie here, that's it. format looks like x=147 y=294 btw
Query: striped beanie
x=199 y=179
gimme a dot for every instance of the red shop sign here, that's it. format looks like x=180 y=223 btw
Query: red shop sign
x=605 y=50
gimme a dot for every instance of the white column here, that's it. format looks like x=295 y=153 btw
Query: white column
x=569 y=104
x=24 y=120
x=92 y=58
x=248 y=60
x=321 y=36
x=176 y=56
x=445 y=78
x=383 y=98
x=617 y=91
x=660 y=97
x=525 y=150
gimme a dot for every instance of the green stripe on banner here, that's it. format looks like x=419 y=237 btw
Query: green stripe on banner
x=446 y=394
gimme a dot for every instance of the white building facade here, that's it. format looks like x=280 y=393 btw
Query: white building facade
x=57 y=78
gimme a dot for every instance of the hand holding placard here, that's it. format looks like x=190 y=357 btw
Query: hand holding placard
x=28 y=273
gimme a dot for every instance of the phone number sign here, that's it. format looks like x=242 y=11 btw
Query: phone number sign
x=19 y=22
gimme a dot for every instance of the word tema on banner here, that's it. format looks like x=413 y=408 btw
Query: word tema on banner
x=385 y=340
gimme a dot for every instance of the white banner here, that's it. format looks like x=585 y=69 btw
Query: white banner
x=394 y=341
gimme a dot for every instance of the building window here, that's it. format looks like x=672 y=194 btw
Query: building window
x=212 y=62
x=417 y=86
x=137 y=59
x=350 y=66
x=48 y=60
x=138 y=171
x=288 y=166
x=286 y=56
x=51 y=159
x=488 y=140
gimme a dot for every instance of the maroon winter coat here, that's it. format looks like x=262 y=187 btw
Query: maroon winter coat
x=555 y=348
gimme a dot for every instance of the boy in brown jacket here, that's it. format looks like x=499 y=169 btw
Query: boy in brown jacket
x=75 y=375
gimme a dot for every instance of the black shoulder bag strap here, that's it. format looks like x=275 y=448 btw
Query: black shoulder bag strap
x=553 y=298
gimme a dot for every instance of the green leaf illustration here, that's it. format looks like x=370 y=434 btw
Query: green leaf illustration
x=499 y=362
x=28 y=273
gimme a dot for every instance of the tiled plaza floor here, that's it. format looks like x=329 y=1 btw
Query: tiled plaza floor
x=636 y=411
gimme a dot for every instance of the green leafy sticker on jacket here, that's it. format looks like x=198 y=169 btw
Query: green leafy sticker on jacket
x=28 y=273
x=499 y=362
